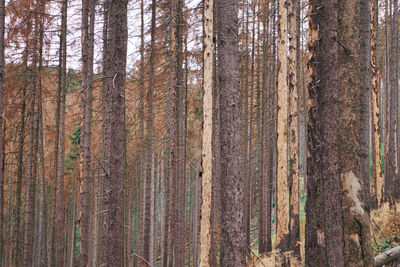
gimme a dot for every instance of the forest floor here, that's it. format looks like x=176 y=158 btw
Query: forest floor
x=385 y=234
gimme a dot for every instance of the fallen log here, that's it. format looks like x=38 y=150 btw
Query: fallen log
x=387 y=257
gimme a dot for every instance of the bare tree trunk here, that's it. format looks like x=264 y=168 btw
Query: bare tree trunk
x=141 y=203
x=149 y=144
x=355 y=209
x=233 y=251
x=2 y=142
x=393 y=110
x=365 y=123
x=375 y=97
x=294 y=220
x=282 y=226
x=386 y=105
x=172 y=148
x=42 y=236
x=17 y=211
x=114 y=154
x=60 y=194
x=324 y=238
x=88 y=17
x=207 y=152
x=31 y=166
x=179 y=241
x=263 y=133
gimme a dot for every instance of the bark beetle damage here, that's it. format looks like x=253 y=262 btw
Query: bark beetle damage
x=352 y=188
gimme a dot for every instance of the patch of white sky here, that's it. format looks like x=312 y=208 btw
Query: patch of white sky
x=74 y=21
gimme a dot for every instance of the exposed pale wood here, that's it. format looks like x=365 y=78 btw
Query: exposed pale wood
x=207 y=152
x=282 y=116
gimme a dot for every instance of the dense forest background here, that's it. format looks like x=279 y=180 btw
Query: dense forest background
x=199 y=133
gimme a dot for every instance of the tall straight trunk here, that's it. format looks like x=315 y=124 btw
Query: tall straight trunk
x=17 y=210
x=282 y=225
x=84 y=223
x=42 y=233
x=179 y=241
x=375 y=98
x=29 y=206
x=172 y=145
x=365 y=123
x=141 y=203
x=149 y=143
x=245 y=136
x=271 y=132
x=386 y=104
x=216 y=183
x=152 y=253
x=233 y=239
x=2 y=72
x=324 y=233
x=114 y=160
x=207 y=151
x=88 y=17
x=393 y=108
x=355 y=209
x=294 y=220
x=60 y=213
x=31 y=166
x=263 y=133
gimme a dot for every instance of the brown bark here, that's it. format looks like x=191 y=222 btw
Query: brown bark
x=114 y=140
x=179 y=238
x=149 y=144
x=263 y=133
x=31 y=166
x=2 y=142
x=60 y=213
x=42 y=233
x=294 y=220
x=324 y=238
x=233 y=249
x=173 y=143
x=17 y=210
x=355 y=209
x=392 y=168
x=88 y=16
x=140 y=236
x=365 y=97
x=375 y=98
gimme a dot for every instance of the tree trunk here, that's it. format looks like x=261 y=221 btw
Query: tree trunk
x=114 y=140
x=207 y=151
x=294 y=220
x=31 y=166
x=42 y=233
x=375 y=98
x=365 y=123
x=355 y=209
x=393 y=109
x=282 y=225
x=149 y=143
x=2 y=72
x=233 y=239
x=324 y=238
x=88 y=17
x=60 y=194
x=17 y=210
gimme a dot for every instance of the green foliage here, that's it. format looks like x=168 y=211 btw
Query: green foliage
x=384 y=243
x=73 y=81
x=73 y=152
